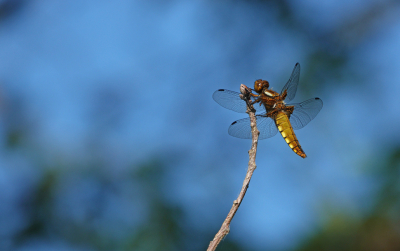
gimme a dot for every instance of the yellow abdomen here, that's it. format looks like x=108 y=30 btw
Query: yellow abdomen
x=285 y=128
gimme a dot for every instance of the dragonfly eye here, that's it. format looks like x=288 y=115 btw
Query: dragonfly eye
x=258 y=85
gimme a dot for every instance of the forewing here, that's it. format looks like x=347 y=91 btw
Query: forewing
x=291 y=85
x=304 y=112
x=241 y=128
x=232 y=101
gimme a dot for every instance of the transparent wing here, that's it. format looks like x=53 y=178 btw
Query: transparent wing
x=241 y=128
x=291 y=85
x=304 y=112
x=231 y=100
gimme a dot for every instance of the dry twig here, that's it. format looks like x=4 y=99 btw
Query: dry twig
x=224 y=230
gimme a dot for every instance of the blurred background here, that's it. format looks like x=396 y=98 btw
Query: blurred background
x=110 y=139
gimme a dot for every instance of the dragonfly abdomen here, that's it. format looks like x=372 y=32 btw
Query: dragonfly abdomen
x=285 y=128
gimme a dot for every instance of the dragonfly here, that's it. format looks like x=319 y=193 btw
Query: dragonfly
x=273 y=114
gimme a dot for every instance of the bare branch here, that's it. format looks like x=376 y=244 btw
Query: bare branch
x=224 y=230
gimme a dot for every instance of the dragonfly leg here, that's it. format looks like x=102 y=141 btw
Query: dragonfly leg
x=272 y=113
x=256 y=101
x=289 y=109
x=284 y=94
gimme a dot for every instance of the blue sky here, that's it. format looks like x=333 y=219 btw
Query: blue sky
x=135 y=80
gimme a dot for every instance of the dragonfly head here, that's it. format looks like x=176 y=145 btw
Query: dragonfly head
x=260 y=84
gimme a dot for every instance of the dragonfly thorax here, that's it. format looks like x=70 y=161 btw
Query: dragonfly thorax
x=270 y=93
